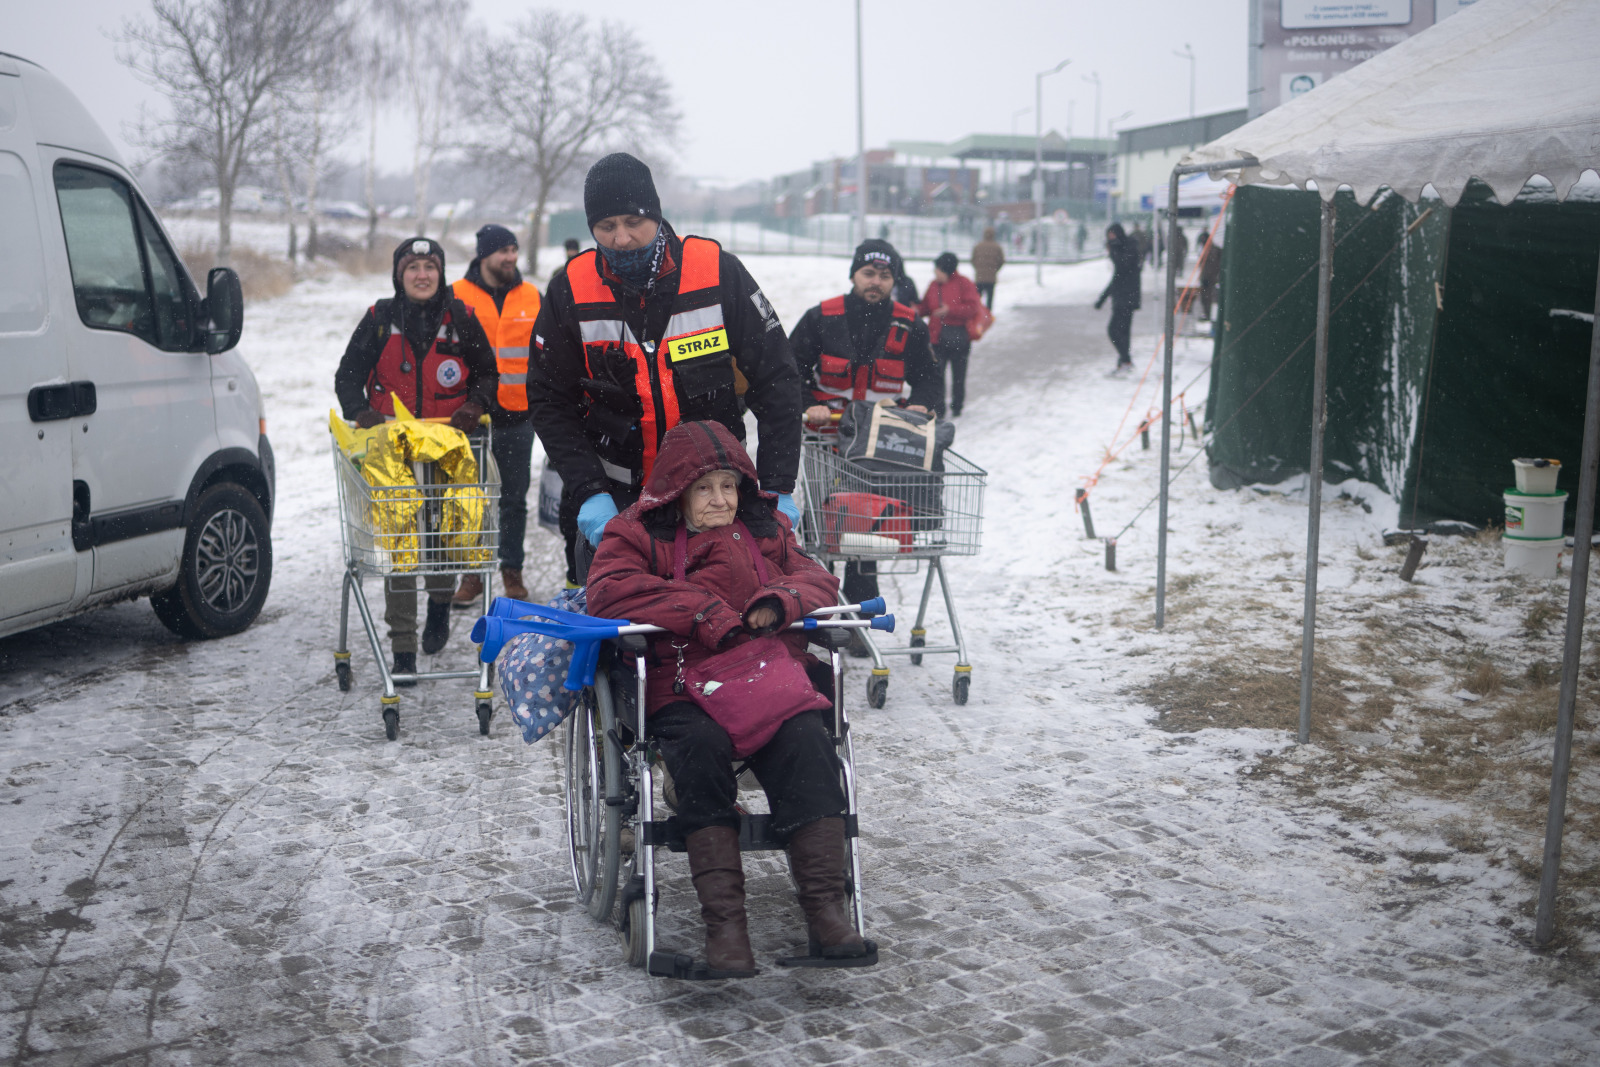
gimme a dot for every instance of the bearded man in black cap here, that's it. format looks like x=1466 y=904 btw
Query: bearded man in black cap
x=643 y=332
x=865 y=345
x=507 y=308
x=427 y=349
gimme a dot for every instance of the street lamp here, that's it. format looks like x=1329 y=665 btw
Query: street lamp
x=1038 y=168
x=1111 y=127
x=861 y=136
x=1188 y=53
x=1094 y=80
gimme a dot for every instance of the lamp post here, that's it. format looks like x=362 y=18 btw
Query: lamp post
x=1011 y=149
x=1093 y=78
x=1111 y=125
x=1038 y=168
x=861 y=138
x=1188 y=53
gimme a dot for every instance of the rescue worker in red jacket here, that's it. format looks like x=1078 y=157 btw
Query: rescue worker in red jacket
x=646 y=331
x=952 y=305
x=506 y=307
x=426 y=348
x=865 y=345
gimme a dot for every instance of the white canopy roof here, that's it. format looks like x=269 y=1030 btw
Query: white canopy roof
x=1502 y=91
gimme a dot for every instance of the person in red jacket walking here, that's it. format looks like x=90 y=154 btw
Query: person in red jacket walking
x=952 y=307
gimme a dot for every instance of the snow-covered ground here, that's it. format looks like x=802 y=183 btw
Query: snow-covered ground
x=212 y=856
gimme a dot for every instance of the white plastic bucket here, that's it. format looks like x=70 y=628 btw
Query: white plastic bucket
x=1535 y=558
x=1532 y=516
x=865 y=544
x=1536 y=475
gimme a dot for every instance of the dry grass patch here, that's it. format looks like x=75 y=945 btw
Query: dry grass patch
x=1232 y=694
x=1485 y=679
x=261 y=276
x=1540 y=616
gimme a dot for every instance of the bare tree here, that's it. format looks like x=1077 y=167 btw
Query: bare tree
x=308 y=117
x=376 y=64
x=431 y=33
x=554 y=93
x=217 y=62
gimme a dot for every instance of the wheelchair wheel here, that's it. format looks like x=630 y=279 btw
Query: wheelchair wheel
x=633 y=933
x=594 y=828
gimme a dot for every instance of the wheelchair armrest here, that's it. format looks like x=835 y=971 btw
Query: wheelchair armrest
x=832 y=637
x=634 y=643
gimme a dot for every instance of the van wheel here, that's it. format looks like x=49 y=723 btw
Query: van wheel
x=227 y=567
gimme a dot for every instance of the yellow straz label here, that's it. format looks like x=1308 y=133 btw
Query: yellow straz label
x=700 y=344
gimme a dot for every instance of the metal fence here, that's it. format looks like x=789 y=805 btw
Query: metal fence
x=915 y=236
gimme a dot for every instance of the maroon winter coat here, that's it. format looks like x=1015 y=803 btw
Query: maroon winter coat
x=966 y=306
x=632 y=573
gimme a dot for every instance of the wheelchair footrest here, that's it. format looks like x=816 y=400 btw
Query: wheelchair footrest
x=664 y=964
x=870 y=959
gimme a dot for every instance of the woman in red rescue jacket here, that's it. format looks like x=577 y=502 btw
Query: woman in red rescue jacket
x=952 y=306
x=683 y=558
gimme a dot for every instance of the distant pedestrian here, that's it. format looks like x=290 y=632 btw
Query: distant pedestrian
x=1081 y=237
x=987 y=259
x=572 y=248
x=1210 y=275
x=1124 y=292
x=1141 y=237
x=951 y=305
x=1180 y=249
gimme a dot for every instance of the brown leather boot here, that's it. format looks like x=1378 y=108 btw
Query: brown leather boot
x=511 y=582
x=469 y=594
x=817 y=858
x=718 y=875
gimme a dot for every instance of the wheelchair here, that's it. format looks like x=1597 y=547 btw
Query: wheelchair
x=610 y=768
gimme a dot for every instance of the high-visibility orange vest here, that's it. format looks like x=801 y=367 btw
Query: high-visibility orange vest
x=695 y=329
x=510 y=330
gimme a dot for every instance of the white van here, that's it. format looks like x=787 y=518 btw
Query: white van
x=133 y=448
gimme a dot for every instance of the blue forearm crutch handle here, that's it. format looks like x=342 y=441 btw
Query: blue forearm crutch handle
x=875 y=606
x=883 y=622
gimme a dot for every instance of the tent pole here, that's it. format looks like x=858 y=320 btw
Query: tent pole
x=1166 y=403
x=1319 y=421
x=1577 y=596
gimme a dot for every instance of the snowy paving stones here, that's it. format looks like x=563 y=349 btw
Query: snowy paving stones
x=209 y=855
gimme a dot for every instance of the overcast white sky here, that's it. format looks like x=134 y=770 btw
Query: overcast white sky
x=768 y=87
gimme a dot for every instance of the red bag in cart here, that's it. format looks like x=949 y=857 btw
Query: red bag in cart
x=866 y=524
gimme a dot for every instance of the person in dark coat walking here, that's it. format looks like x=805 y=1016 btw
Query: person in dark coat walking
x=676 y=559
x=1123 y=291
x=1210 y=276
x=427 y=348
x=646 y=331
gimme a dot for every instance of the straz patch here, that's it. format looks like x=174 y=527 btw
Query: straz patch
x=696 y=345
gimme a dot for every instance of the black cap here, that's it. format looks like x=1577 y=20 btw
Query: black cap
x=947 y=262
x=620 y=185
x=874 y=250
x=571 y=244
x=492 y=238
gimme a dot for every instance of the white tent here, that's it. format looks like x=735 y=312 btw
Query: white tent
x=1503 y=91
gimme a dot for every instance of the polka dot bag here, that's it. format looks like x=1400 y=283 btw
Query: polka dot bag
x=532 y=668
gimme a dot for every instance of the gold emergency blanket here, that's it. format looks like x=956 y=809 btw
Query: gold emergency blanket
x=439 y=526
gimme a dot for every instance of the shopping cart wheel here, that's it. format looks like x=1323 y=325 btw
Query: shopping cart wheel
x=917 y=641
x=958 y=687
x=341 y=669
x=391 y=723
x=485 y=713
x=877 y=691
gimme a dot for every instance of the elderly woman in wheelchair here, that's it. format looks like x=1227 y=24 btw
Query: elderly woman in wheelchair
x=705 y=556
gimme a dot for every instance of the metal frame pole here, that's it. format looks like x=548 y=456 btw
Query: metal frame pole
x=1166 y=401
x=1038 y=179
x=1319 y=421
x=861 y=137
x=1577 y=597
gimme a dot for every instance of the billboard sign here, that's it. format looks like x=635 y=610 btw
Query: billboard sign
x=1297 y=45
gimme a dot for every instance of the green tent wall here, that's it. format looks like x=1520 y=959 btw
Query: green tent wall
x=1469 y=290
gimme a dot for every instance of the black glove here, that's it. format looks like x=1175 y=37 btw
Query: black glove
x=466 y=417
x=369 y=418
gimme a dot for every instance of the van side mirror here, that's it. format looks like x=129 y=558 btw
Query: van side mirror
x=224 y=310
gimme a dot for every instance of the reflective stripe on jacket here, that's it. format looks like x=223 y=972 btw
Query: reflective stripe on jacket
x=510 y=330
x=884 y=374
x=695 y=330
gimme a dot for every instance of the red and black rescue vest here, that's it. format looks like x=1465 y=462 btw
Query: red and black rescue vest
x=695 y=330
x=431 y=389
x=510 y=330
x=855 y=378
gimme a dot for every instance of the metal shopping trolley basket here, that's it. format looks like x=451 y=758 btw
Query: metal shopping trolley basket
x=428 y=506
x=889 y=515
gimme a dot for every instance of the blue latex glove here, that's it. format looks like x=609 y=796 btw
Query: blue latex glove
x=787 y=506
x=593 y=516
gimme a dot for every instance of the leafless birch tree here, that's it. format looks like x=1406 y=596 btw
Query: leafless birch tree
x=553 y=94
x=431 y=35
x=217 y=62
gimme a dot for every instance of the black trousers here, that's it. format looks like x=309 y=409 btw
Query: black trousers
x=860 y=581
x=798 y=768
x=955 y=344
x=1121 y=331
x=513 y=454
x=986 y=290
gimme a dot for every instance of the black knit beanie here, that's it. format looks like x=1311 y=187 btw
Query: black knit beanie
x=947 y=262
x=876 y=251
x=493 y=238
x=620 y=185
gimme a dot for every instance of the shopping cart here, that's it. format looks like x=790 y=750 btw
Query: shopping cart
x=436 y=526
x=899 y=518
